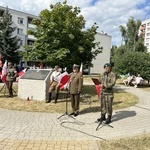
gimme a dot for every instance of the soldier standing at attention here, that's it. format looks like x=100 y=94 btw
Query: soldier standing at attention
x=10 y=78
x=54 y=85
x=75 y=87
x=108 y=80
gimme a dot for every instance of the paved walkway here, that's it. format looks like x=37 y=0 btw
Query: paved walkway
x=34 y=131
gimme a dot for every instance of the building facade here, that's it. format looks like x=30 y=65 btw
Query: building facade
x=145 y=32
x=104 y=57
x=23 y=22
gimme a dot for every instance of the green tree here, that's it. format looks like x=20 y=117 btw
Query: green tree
x=8 y=42
x=130 y=36
x=62 y=38
x=133 y=63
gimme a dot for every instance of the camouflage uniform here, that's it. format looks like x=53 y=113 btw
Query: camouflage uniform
x=75 y=87
x=108 y=80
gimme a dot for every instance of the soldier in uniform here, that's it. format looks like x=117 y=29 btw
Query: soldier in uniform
x=75 y=87
x=10 y=78
x=54 y=85
x=108 y=80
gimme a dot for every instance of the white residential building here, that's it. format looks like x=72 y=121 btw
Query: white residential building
x=22 y=22
x=145 y=32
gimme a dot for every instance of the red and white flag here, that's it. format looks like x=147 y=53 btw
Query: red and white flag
x=4 y=72
x=63 y=80
x=20 y=74
x=81 y=68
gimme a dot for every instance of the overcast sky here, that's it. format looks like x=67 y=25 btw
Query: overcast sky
x=108 y=14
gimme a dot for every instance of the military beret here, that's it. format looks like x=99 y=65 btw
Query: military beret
x=75 y=66
x=107 y=65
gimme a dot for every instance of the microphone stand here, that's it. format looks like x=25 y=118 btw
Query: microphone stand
x=66 y=112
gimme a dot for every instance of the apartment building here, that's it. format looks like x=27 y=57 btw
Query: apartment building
x=23 y=22
x=145 y=32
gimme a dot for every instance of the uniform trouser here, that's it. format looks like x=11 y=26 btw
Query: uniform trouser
x=75 y=100
x=9 y=85
x=106 y=103
x=54 y=86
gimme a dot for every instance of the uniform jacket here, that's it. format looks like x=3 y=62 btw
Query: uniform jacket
x=76 y=83
x=11 y=74
x=108 y=80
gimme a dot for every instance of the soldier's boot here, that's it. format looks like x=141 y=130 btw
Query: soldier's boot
x=9 y=94
x=56 y=98
x=102 y=118
x=49 y=98
x=108 y=120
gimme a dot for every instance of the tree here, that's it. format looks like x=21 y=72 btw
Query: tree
x=130 y=36
x=8 y=42
x=133 y=63
x=62 y=38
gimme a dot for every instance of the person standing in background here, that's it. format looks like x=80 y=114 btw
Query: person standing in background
x=75 y=87
x=10 y=78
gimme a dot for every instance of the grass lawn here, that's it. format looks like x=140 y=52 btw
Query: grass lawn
x=141 y=142
x=89 y=102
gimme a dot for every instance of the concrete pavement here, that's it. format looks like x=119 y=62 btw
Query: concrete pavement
x=32 y=130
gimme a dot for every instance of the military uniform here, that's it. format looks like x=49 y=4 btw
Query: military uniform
x=108 y=80
x=75 y=87
x=10 y=78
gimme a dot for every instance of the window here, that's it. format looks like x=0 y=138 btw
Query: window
x=148 y=29
x=148 y=24
x=20 y=42
x=20 y=31
x=148 y=34
x=147 y=39
x=29 y=42
x=147 y=44
x=20 y=20
x=1 y=19
x=10 y=17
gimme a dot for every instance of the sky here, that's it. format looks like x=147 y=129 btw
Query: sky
x=108 y=14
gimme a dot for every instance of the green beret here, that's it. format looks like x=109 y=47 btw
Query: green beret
x=107 y=65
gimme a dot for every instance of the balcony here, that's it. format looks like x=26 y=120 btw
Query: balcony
x=31 y=37
x=32 y=26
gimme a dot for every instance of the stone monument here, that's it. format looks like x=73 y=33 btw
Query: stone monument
x=34 y=84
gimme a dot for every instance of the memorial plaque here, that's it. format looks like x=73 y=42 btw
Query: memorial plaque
x=36 y=74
